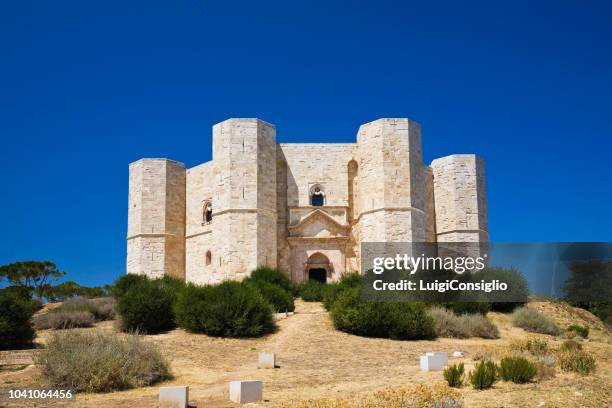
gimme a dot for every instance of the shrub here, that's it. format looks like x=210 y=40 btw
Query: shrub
x=484 y=375
x=101 y=362
x=280 y=299
x=577 y=360
x=126 y=282
x=534 y=321
x=15 y=321
x=100 y=308
x=231 y=309
x=147 y=307
x=575 y=329
x=479 y=326
x=533 y=346
x=460 y=308
x=570 y=345
x=333 y=290
x=454 y=375
x=447 y=324
x=311 y=291
x=517 y=369
x=515 y=296
x=396 y=320
x=63 y=320
x=273 y=276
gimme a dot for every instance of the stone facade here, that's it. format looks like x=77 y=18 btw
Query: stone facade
x=304 y=208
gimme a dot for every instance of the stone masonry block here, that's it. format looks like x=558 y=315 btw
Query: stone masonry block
x=243 y=392
x=433 y=361
x=267 y=360
x=175 y=397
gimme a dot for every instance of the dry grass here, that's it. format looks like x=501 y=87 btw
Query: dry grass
x=447 y=324
x=101 y=362
x=317 y=362
x=61 y=319
x=418 y=396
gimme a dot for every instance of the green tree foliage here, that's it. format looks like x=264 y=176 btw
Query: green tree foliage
x=15 y=320
x=36 y=275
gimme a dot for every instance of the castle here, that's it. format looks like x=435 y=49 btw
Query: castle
x=304 y=208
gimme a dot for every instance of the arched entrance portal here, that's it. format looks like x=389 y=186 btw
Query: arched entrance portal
x=318 y=268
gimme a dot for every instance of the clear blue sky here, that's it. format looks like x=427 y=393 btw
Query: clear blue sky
x=88 y=87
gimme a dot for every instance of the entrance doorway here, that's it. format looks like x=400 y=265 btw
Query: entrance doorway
x=318 y=275
x=317 y=268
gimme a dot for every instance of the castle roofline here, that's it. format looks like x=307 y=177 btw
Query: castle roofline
x=247 y=120
x=157 y=159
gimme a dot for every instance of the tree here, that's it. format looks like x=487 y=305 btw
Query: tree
x=36 y=275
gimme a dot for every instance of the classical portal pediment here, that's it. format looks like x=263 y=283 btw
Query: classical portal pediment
x=318 y=224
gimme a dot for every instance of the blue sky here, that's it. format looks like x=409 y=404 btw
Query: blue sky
x=88 y=87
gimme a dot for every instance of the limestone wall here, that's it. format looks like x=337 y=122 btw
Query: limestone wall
x=156 y=218
x=317 y=163
x=460 y=199
x=391 y=182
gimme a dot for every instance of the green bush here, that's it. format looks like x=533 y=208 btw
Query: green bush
x=126 y=282
x=231 y=309
x=101 y=362
x=396 y=320
x=534 y=321
x=460 y=308
x=484 y=375
x=146 y=306
x=578 y=361
x=15 y=321
x=517 y=369
x=454 y=375
x=273 y=276
x=581 y=331
x=333 y=290
x=515 y=296
x=280 y=299
x=311 y=291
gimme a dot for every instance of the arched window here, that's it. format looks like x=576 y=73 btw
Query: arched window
x=207 y=212
x=208 y=258
x=317 y=197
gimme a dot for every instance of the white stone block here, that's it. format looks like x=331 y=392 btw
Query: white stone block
x=267 y=360
x=432 y=361
x=458 y=354
x=175 y=397
x=243 y=392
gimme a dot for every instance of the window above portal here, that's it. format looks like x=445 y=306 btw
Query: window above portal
x=317 y=196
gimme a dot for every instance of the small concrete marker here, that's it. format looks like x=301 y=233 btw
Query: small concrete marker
x=175 y=397
x=432 y=361
x=243 y=392
x=458 y=354
x=267 y=360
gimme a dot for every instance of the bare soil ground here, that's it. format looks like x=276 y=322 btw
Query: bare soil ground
x=317 y=361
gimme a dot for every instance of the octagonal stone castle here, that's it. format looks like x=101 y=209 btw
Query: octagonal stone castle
x=304 y=208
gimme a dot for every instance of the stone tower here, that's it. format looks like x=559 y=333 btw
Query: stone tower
x=460 y=199
x=244 y=198
x=391 y=182
x=156 y=218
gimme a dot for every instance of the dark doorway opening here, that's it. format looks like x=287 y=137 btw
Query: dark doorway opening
x=317 y=274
